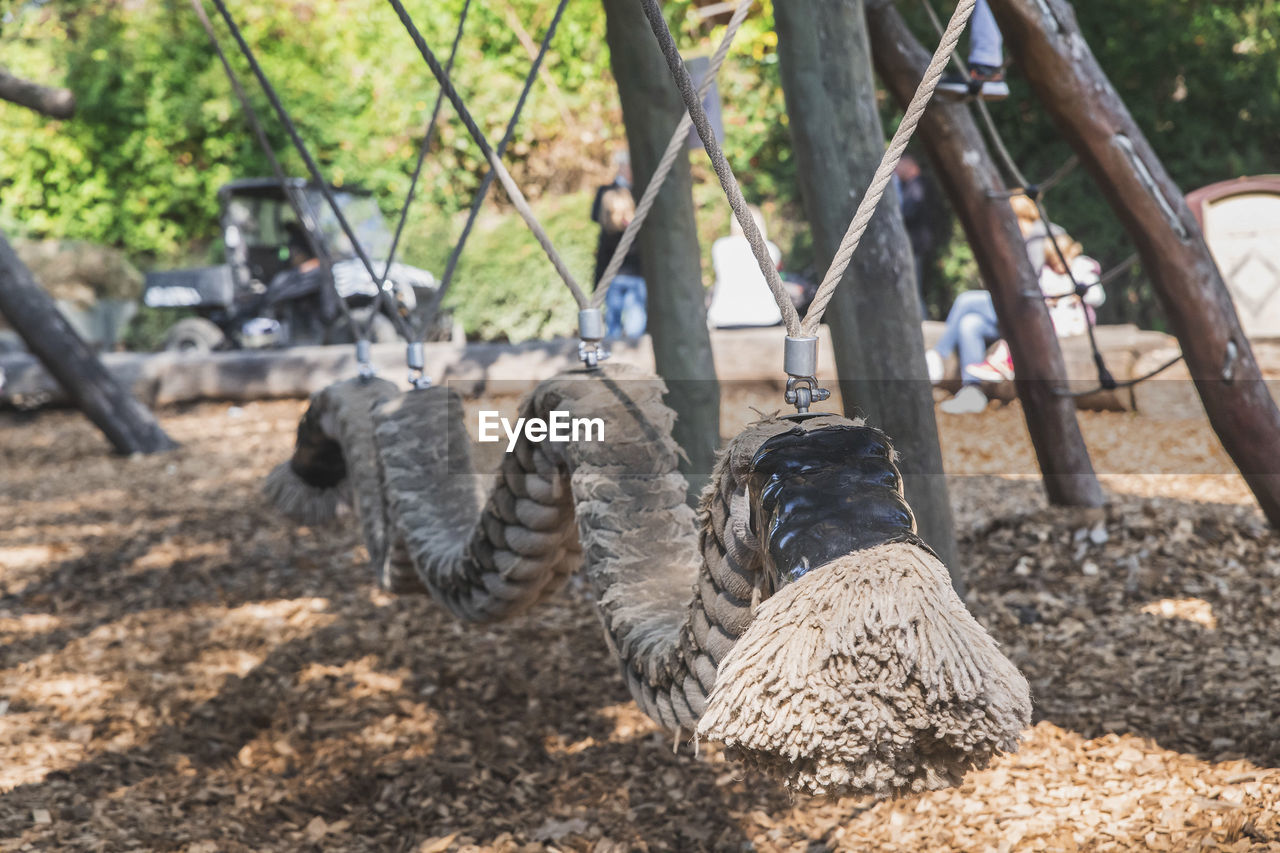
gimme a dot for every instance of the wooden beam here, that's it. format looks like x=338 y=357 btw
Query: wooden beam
x=651 y=109
x=1045 y=41
x=46 y=100
x=127 y=424
x=965 y=168
x=825 y=60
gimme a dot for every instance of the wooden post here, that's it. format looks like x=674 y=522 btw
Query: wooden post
x=651 y=108
x=127 y=424
x=875 y=316
x=969 y=175
x=1044 y=39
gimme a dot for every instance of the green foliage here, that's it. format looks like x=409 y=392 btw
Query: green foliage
x=159 y=130
x=505 y=287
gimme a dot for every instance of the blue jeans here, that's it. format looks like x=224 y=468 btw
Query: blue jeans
x=971 y=328
x=625 y=312
x=986 y=44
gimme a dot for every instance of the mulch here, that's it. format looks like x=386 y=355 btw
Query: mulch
x=183 y=670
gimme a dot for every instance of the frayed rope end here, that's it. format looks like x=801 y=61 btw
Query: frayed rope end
x=300 y=501
x=867 y=677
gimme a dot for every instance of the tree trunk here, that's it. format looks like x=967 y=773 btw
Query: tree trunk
x=651 y=108
x=47 y=100
x=875 y=315
x=128 y=425
x=1051 y=53
x=965 y=168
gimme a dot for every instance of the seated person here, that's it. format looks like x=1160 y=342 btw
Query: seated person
x=1071 y=312
x=972 y=326
x=740 y=296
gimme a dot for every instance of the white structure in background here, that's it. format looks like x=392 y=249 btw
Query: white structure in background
x=1241 y=224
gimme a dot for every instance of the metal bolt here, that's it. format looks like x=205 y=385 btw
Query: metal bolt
x=415 y=356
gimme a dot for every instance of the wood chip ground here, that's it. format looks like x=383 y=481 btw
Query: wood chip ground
x=183 y=670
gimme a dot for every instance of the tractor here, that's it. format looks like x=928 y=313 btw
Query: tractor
x=291 y=276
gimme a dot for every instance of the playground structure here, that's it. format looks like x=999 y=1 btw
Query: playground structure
x=978 y=698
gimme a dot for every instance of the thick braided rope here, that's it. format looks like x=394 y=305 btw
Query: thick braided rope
x=865 y=675
x=693 y=103
x=675 y=148
x=504 y=177
x=888 y=163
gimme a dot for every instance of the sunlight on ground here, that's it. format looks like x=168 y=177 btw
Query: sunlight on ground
x=1190 y=609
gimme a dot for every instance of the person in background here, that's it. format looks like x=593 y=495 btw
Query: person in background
x=971 y=323
x=740 y=296
x=971 y=328
x=626 y=303
x=1072 y=312
x=915 y=198
x=986 y=58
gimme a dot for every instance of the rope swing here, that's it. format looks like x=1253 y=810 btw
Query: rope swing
x=800 y=354
x=795 y=616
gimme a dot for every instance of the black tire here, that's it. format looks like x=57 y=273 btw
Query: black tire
x=382 y=330
x=194 y=334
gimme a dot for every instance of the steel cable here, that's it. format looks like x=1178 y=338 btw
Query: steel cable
x=508 y=183
x=313 y=168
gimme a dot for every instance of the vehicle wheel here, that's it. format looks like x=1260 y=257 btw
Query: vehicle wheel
x=194 y=334
x=382 y=330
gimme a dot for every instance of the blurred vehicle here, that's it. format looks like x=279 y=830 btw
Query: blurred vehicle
x=275 y=289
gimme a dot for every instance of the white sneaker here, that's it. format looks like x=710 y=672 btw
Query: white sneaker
x=934 y=362
x=997 y=368
x=968 y=401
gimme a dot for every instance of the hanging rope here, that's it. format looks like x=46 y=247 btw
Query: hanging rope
x=888 y=163
x=674 y=149
x=508 y=183
x=693 y=103
x=483 y=191
x=312 y=167
x=866 y=208
x=422 y=150
x=1044 y=186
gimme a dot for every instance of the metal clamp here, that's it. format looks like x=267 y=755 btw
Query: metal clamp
x=803 y=391
x=800 y=361
x=591 y=348
x=415 y=357
x=364 y=361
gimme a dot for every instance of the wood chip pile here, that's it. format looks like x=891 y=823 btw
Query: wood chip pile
x=181 y=670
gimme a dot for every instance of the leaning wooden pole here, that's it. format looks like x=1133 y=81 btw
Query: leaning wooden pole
x=127 y=424
x=836 y=134
x=969 y=175
x=1044 y=39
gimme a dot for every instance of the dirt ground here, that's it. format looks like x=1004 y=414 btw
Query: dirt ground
x=183 y=670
